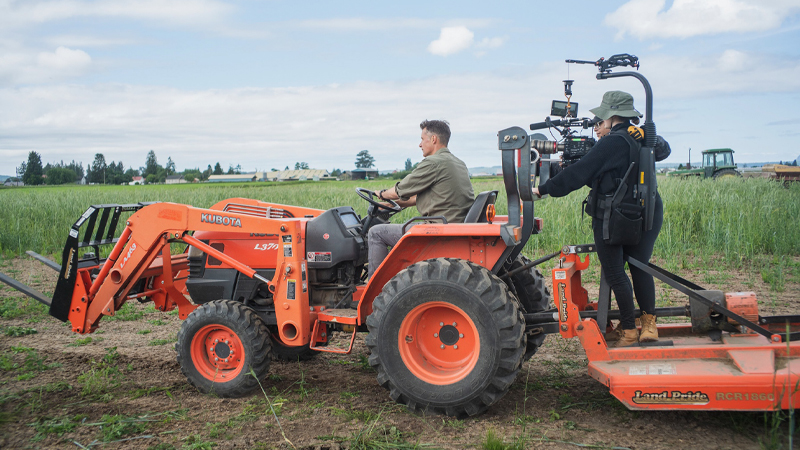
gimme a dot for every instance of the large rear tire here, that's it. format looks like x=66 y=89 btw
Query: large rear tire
x=533 y=295
x=446 y=336
x=217 y=346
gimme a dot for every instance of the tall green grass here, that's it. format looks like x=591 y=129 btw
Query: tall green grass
x=737 y=219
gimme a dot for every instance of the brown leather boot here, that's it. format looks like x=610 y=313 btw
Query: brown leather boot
x=612 y=332
x=627 y=338
x=649 y=330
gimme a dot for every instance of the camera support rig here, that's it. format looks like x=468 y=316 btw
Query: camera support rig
x=647 y=174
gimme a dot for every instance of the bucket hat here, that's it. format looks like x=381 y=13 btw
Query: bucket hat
x=616 y=103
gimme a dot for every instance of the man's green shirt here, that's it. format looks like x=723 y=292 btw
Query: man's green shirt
x=441 y=184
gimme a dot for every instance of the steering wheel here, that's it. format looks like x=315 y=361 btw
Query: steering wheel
x=368 y=195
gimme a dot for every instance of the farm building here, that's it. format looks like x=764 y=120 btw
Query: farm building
x=359 y=174
x=234 y=178
x=300 y=175
x=175 y=179
x=282 y=175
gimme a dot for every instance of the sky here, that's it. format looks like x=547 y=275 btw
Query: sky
x=266 y=84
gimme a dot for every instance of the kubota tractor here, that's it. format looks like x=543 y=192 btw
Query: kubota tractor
x=451 y=313
x=260 y=280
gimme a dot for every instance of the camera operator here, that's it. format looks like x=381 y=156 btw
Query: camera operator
x=602 y=169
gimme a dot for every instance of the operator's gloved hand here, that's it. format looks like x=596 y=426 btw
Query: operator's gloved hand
x=636 y=132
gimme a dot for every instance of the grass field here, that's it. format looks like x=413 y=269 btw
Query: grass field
x=121 y=387
x=737 y=220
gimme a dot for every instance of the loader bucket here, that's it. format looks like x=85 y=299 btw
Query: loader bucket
x=95 y=229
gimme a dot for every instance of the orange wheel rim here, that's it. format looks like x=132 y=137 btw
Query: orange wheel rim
x=439 y=343
x=217 y=353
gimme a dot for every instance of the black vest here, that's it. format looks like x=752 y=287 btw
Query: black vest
x=605 y=187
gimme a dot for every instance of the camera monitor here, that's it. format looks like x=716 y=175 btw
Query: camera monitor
x=559 y=109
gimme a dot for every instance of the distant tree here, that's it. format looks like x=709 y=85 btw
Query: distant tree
x=218 y=169
x=794 y=163
x=190 y=174
x=32 y=170
x=680 y=166
x=151 y=164
x=115 y=174
x=409 y=165
x=238 y=169
x=97 y=171
x=364 y=160
x=59 y=175
x=300 y=166
x=132 y=172
x=207 y=173
x=151 y=179
x=230 y=170
x=170 y=166
x=76 y=167
x=336 y=172
x=287 y=168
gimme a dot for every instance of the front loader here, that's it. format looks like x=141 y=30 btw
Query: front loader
x=451 y=313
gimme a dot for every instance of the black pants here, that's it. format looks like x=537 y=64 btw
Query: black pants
x=612 y=258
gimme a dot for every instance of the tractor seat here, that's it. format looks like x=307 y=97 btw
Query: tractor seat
x=477 y=213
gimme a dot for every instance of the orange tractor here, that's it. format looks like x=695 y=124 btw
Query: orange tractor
x=451 y=314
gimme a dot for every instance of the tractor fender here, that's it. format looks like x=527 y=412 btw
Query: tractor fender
x=480 y=243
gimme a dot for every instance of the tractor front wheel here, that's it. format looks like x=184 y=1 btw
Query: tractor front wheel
x=446 y=336
x=218 y=345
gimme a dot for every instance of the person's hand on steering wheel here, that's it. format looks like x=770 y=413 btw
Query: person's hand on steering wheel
x=370 y=196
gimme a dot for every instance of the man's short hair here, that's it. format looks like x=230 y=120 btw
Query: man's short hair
x=438 y=127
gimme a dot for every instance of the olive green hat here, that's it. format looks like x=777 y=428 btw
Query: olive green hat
x=616 y=103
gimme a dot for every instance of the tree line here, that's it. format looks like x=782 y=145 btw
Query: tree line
x=32 y=172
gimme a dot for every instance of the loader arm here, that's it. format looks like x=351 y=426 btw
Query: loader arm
x=140 y=265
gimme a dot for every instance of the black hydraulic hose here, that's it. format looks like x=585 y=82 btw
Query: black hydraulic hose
x=530 y=264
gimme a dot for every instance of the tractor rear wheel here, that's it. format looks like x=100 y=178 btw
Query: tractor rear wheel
x=727 y=173
x=218 y=345
x=533 y=295
x=446 y=336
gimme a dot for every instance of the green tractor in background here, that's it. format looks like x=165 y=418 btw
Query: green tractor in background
x=717 y=163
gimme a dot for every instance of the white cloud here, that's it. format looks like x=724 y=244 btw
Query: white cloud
x=65 y=60
x=259 y=127
x=327 y=125
x=21 y=13
x=686 y=18
x=20 y=66
x=452 y=40
x=731 y=72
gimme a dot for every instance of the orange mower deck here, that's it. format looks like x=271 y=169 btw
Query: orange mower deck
x=751 y=365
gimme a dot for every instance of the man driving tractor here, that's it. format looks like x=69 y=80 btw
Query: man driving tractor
x=438 y=186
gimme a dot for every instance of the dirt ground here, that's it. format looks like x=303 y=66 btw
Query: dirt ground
x=124 y=389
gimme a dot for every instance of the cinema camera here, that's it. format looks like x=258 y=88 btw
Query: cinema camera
x=572 y=145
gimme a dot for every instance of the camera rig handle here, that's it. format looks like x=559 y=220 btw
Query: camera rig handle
x=548 y=123
x=605 y=65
